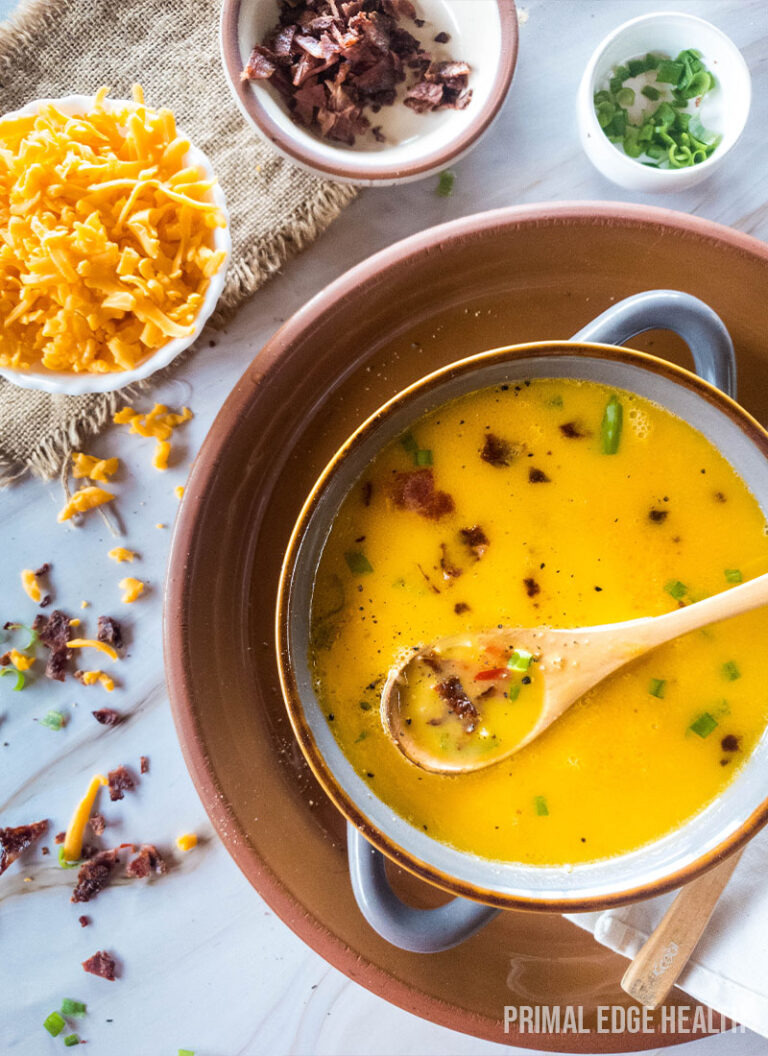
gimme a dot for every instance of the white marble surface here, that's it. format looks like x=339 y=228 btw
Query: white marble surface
x=206 y=965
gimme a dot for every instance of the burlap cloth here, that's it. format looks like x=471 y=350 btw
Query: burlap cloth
x=63 y=47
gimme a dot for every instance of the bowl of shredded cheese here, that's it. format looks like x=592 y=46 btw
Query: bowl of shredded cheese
x=114 y=243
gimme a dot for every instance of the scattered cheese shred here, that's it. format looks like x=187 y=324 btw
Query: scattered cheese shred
x=74 y=623
x=158 y=423
x=100 y=469
x=84 y=604
x=187 y=841
x=178 y=491
x=30 y=584
x=92 y=643
x=90 y=678
x=133 y=588
x=21 y=661
x=106 y=236
x=73 y=840
x=121 y=553
x=83 y=500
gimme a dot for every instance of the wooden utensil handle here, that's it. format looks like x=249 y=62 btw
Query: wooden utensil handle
x=657 y=966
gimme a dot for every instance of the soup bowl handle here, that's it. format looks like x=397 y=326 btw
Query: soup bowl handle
x=699 y=326
x=417 y=930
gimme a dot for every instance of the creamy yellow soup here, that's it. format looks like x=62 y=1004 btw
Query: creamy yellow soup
x=560 y=503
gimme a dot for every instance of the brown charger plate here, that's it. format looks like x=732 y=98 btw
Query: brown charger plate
x=514 y=275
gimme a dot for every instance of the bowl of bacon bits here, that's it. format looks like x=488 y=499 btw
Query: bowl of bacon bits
x=114 y=243
x=370 y=91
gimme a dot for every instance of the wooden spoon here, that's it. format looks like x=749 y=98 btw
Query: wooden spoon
x=567 y=664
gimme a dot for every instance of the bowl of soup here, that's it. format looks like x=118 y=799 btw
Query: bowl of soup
x=485 y=495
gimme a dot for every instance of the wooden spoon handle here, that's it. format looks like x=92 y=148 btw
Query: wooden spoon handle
x=657 y=966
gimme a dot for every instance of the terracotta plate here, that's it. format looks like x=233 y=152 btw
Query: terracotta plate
x=499 y=278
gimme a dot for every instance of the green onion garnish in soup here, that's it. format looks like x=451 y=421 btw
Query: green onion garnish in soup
x=423 y=457
x=733 y=575
x=358 y=563
x=610 y=428
x=704 y=725
x=540 y=804
x=656 y=687
x=520 y=660
x=677 y=589
x=731 y=671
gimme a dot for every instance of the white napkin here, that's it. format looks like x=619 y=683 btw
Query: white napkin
x=729 y=967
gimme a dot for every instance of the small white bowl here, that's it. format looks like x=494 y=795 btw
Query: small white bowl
x=71 y=384
x=483 y=33
x=670 y=32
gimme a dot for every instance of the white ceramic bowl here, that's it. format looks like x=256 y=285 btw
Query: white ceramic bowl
x=726 y=111
x=71 y=384
x=483 y=33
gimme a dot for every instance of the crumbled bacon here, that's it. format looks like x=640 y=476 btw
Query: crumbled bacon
x=455 y=696
x=97 y=823
x=106 y=716
x=143 y=765
x=573 y=431
x=496 y=452
x=15 y=840
x=101 y=964
x=44 y=569
x=475 y=539
x=54 y=632
x=110 y=632
x=120 y=780
x=59 y=837
x=532 y=588
x=331 y=61
x=84 y=921
x=538 y=476
x=148 y=860
x=460 y=607
x=449 y=570
x=415 y=490
x=93 y=876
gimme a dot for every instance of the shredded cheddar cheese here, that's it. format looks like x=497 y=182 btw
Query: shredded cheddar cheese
x=187 y=841
x=30 y=584
x=74 y=623
x=90 y=678
x=73 y=841
x=83 y=500
x=106 y=236
x=133 y=588
x=99 y=469
x=178 y=491
x=92 y=643
x=84 y=604
x=158 y=423
x=121 y=553
x=21 y=661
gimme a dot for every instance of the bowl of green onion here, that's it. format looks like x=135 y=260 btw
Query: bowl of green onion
x=662 y=101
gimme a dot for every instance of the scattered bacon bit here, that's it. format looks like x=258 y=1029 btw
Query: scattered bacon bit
x=143 y=765
x=45 y=850
x=120 y=780
x=538 y=476
x=415 y=490
x=497 y=452
x=658 y=516
x=720 y=497
x=5 y=659
x=455 y=696
x=475 y=539
x=93 y=876
x=532 y=588
x=84 y=921
x=442 y=38
x=573 y=431
x=101 y=964
x=444 y=86
x=148 y=860
x=367 y=492
x=54 y=632
x=110 y=632
x=460 y=607
x=97 y=823
x=15 y=840
x=730 y=743
x=59 y=837
x=45 y=601
x=106 y=716
x=44 y=569
x=449 y=570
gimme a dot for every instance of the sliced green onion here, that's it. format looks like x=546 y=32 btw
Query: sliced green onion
x=423 y=457
x=730 y=670
x=733 y=575
x=610 y=428
x=704 y=725
x=520 y=660
x=54 y=720
x=408 y=443
x=625 y=97
x=621 y=72
x=677 y=589
x=54 y=1024
x=20 y=679
x=71 y=1039
x=540 y=804
x=652 y=61
x=514 y=691
x=668 y=72
x=186 y=1052
x=650 y=92
x=656 y=687
x=636 y=67
x=65 y=863
x=358 y=563
x=445 y=183
x=69 y=1007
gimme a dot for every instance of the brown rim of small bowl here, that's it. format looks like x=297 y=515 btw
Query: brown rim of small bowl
x=252 y=107
x=533 y=350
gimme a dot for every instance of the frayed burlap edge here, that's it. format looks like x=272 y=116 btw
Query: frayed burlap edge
x=244 y=278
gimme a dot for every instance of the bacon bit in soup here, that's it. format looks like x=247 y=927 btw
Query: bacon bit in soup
x=455 y=696
x=187 y=841
x=573 y=431
x=532 y=588
x=30 y=585
x=133 y=588
x=84 y=499
x=658 y=516
x=416 y=491
x=98 y=469
x=120 y=780
x=460 y=607
x=490 y=674
x=121 y=553
x=15 y=840
x=538 y=476
x=449 y=570
x=497 y=452
x=101 y=964
x=94 y=875
x=475 y=539
x=331 y=61
x=730 y=743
